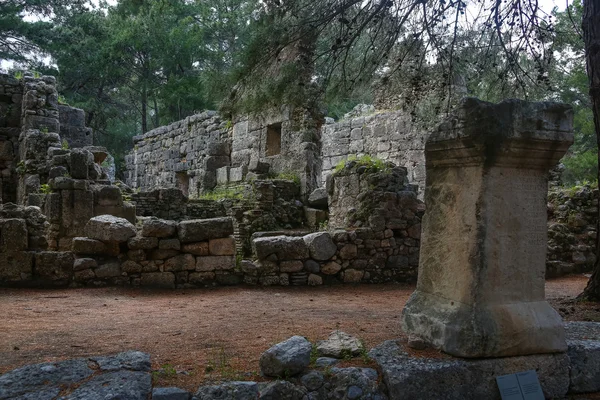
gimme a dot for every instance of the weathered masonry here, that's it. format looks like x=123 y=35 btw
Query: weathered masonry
x=202 y=151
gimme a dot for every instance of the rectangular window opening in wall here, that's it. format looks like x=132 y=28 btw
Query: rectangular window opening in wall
x=273 y=139
x=183 y=182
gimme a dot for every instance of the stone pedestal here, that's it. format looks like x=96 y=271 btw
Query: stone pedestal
x=480 y=290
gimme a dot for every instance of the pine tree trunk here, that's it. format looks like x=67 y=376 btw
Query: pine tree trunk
x=591 y=37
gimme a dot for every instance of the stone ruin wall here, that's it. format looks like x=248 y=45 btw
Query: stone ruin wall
x=390 y=136
x=11 y=97
x=184 y=155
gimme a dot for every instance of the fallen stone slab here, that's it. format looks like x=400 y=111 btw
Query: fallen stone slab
x=228 y=391
x=287 y=358
x=199 y=230
x=43 y=380
x=132 y=360
x=408 y=377
x=125 y=384
x=283 y=247
x=170 y=393
x=339 y=345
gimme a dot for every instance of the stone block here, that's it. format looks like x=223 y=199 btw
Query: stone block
x=131 y=267
x=223 y=176
x=169 y=244
x=142 y=243
x=314 y=280
x=214 y=263
x=222 y=247
x=136 y=255
x=407 y=377
x=197 y=249
x=331 y=268
x=164 y=280
x=16 y=267
x=204 y=229
x=291 y=266
x=169 y=393
x=82 y=245
x=585 y=365
x=81 y=264
x=283 y=247
x=237 y=174
x=53 y=268
x=318 y=199
x=158 y=254
x=182 y=262
x=109 y=270
x=13 y=235
x=320 y=246
x=108 y=228
x=196 y=278
x=353 y=276
x=79 y=162
x=160 y=228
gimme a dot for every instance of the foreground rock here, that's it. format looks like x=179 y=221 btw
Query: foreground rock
x=287 y=358
x=339 y=345
x=123 y=376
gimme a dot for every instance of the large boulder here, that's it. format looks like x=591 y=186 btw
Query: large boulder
x=283 y=247
x=199 y=230
x=108 y=228
x=320 y=245
x=318 y=198
x=228 y=391
x=287 y=358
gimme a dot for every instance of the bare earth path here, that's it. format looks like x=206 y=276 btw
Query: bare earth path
x=204 y=334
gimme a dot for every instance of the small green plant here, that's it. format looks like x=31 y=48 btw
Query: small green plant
x=314 y=354
x=288 y=176
x=220 y=364
x=324 y=225
x=65 y=144
x=18 y=75
x=62 y=100
x=364 y=354
x=44 y=129
x=45 y=189
x=228 y=124
x=373 y=163
x=21 y=169
x=221 y=193
x=37 y=74
x=238 y=262
x=165 y=371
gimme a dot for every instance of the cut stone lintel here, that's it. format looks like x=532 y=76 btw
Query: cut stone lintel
x=480 y=290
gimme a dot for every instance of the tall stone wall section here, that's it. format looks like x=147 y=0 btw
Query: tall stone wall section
x=11 y=97
x=185 y=154
x=389 y=136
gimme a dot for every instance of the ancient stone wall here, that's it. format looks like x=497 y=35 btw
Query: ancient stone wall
x=11 y=96
x=172 y=204
x=389 y=136
x=572 y=218
x=184 y=155
x=72 y=127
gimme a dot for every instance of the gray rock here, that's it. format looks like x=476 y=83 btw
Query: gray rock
x=204 y=229
x=326 y=362
x=580 y=330
x=408 y=378
x=282 y=390
x=159 y=228
x=287 y=358
x=283 y=247
x=109 y=270
x=42 y=378
x=142 y=243
x=124 y=384
x=312 y=380
x=585 y=365
x=355 y=383
x=320 y=245
x=133 y=360
x=82 y=245
x=169 y=393
x=339 y=345
x=318 y=198
x=84 y=263
x=108 y=228
x=228 y=391
x=312 y=266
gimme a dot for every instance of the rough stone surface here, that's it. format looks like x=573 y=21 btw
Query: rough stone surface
x=283 y=247
x=170 y=393
x=108 y=228
x=228 y=391
x=454 y=379
x=320 y=245
x=205 y=229
x=131 y=385
x=159 y=228
x=486 y=206
x=287 y=358
x=339 y=344
x=585 y=365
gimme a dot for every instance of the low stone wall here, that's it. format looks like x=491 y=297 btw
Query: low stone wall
x=572 y=219
x=172 y=204
x=185 y=155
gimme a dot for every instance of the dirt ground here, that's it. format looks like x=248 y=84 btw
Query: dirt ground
x=204 y=335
